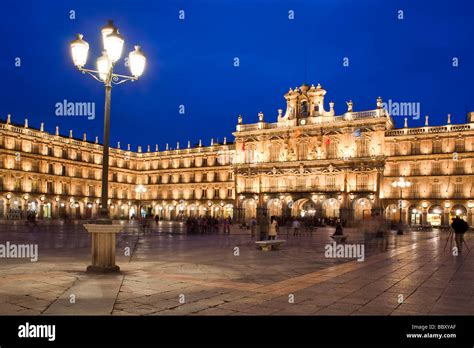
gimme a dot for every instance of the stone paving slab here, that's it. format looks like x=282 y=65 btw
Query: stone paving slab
x=93 y=295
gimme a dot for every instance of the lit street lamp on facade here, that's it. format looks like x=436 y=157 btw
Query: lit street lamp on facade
x=401 y=184
x=103 y=232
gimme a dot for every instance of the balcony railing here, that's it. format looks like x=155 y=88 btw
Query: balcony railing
x=430 y=130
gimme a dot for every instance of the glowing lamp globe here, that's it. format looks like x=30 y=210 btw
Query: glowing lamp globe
x=79 y=51
x=107 y=30
x=113 y=44
x=137 y=61
x=103 y=66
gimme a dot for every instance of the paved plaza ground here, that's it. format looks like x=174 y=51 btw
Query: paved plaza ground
x=171 y=273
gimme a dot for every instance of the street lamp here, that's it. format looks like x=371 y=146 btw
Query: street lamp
x=113 y=44
x=103 y=232
x=401 y=184
x=140 y=189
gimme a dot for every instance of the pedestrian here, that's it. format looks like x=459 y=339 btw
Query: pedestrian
x=338 y=231
x=157 y=218
x=273 y=228
x=296 y=227
x=227 y=226
x=460 y=227
x=253 y=226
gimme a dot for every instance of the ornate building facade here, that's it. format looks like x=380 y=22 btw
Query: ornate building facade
x=310 y=162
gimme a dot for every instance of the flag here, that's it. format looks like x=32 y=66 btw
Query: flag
x=357 y=133
x=243 y=146
x=327 y=141
x=297 y=133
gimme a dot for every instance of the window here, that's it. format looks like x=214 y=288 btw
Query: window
x=16 y=184
x=216 y=193
x=249 y=156
x=362 y=183
x=34 y=185
x=413 y=189
x=204 y=162
x=49 y=187
x=204 y=193
x=330 y=182
x=229 y=193
x=395 y=169
x=458 y=189
x=332 y=151
x=415 y=148
x=459 y=146
x=302 y=151
x=458 y=167
x=435 y=190
x=230 y=176
x=435 y=168
x=415 y=168
x=274 y=153
x=436 y=146
x=363 y=147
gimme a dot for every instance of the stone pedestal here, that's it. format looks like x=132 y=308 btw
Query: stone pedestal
x=103 y=247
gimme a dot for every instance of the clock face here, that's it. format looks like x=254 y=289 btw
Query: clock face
x=302 y=122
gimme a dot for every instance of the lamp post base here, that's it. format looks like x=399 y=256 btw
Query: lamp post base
x=400 y=229
x=101 y=270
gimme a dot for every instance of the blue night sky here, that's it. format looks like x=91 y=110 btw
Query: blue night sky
x=190 y=62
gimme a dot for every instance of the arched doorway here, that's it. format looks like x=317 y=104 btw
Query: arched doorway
x=46 y=209
x=458 y=210
x=362 y=209
x=331 y=208
x=392 y=213
x=414 y=215
x=249 y=209
x=88 y=210
x=32 y=207
x=435 y=215
x=274 y=207
x=229 y=211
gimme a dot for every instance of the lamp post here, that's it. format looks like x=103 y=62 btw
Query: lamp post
x=103 y=231
x=401 y=184
x=113 y=46
x=139 y=190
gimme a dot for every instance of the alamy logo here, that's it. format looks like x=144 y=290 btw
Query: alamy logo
x=37 y=331
x=20 y=251
x=407 y=109
x=67 y=108
x=345 y=251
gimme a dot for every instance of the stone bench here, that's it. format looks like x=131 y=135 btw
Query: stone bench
x=339 y=238
x=267 y=245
